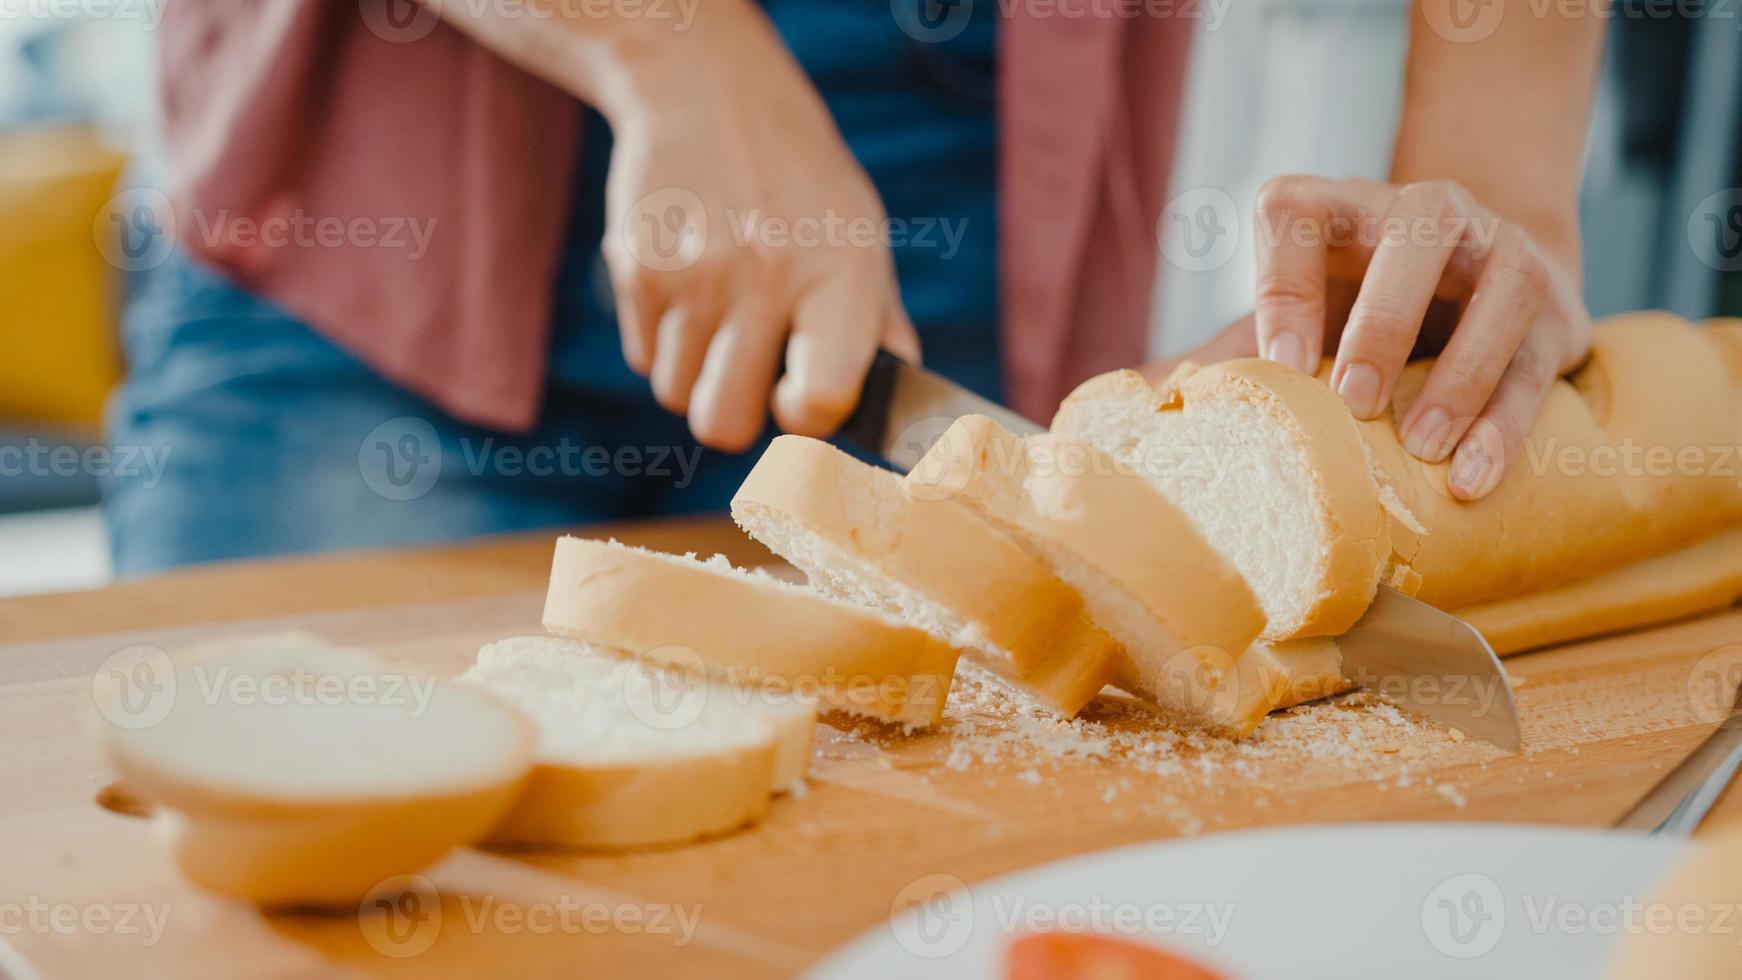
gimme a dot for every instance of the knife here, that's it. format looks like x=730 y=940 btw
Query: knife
x=1681 y=799
x=1422 y=658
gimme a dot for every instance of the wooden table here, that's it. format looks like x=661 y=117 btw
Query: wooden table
x=1602 y=721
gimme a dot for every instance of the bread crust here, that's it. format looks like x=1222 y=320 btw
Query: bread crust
x=1698 y=578
x=644 y=803
x=326 y=856
x=1599 y=484
x=942 y=551
x=749 y=631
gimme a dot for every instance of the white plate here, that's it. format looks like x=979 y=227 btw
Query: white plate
x=1368 y=900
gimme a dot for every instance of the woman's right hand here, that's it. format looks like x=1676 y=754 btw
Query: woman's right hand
x=740 y=230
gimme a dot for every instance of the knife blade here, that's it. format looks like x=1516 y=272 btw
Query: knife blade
x=1681 y=799
x=1421 y=657
x=1434 y=663
x=904 y=409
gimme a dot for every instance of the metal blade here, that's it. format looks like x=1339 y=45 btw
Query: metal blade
x=1681 y=799
x=1432 y=662
x=904 y=409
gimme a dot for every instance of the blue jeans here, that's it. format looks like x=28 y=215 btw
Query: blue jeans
x=274 y=440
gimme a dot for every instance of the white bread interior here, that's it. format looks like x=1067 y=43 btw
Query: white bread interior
x=1180 y=612
x=335 y=774
x=748 y=628
x=633 y=754
x=1267 y=465
x=860 y=537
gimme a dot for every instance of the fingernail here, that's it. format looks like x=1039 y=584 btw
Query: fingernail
x=1359 y=387
x=1429 y=436
x=1474 y=470
x=1286 y=348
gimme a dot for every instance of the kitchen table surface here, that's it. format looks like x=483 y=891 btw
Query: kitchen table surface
x=88 y=889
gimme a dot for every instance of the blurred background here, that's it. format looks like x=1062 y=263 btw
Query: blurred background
x=1279 y=86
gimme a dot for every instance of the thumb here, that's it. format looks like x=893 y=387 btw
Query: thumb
x=899 y=337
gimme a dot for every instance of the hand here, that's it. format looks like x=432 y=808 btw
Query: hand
x=1378 y=273
x=740 y=226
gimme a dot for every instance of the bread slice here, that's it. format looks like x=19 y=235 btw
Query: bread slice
x=1269 y=467
x=861 y=538
x=632 y=754
x=1181 y=612
x=748 y=628
x=298 y=773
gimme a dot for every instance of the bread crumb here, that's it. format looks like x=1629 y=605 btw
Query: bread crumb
x=1450 y=792
x=990 y=722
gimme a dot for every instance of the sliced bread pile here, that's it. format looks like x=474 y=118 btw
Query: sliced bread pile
x=289 y=772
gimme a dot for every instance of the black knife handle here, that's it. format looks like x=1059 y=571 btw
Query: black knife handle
x=867 y=427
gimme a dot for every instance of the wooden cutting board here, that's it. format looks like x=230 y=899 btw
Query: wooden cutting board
x=85 y=890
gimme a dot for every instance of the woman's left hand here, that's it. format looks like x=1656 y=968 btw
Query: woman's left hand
x=1378 y=272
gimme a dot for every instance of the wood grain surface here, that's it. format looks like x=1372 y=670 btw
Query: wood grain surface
x=88 y=891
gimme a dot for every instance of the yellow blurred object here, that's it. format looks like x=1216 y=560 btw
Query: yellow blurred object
x=58 y=296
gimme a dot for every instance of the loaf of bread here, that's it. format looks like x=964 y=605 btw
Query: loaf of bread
x=1633 y=459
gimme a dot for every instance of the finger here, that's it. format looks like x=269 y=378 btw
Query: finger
x=899 y=337
x=836 y=327
x=729 y=406
x=682 y=344
x=1511 y=292
x=1496 y=439
x=638 y=312
x=1399 y=284
x=1289 y=311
